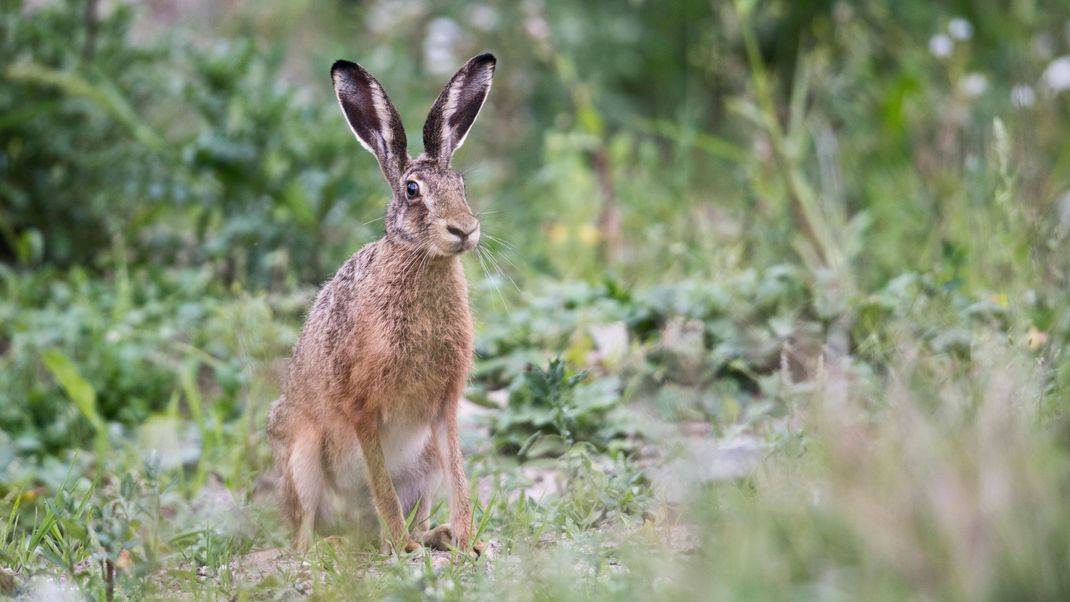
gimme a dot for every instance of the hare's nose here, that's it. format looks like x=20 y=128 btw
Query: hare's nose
x=460 y=232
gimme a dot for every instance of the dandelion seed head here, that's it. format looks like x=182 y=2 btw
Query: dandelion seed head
x=941 y=45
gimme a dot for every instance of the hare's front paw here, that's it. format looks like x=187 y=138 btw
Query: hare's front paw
x=410 y=546
x=442 y=537
x=439 y=538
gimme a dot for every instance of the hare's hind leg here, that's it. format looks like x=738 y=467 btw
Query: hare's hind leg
x=304 y=486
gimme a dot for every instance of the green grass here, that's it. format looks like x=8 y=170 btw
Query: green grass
x=912 y=465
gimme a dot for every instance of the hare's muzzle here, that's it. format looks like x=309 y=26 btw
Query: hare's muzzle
x=463 y=235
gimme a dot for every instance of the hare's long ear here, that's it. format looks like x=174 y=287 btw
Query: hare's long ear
x=457 y=106
x=372 y=117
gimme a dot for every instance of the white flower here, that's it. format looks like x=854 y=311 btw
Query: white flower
x=483 y=17
x=387 y=15
x=1064 y=208
x=1023 y=96
x=973 y=84
x=960 y=29
x=1043 y=46
x=440 y=45
x=537 y=28
x=1057 y=75
x=941 y=45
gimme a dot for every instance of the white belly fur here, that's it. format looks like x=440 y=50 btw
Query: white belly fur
x=347 y=500
x=402 y=446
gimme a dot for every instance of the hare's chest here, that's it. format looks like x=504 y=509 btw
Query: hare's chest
x=433 y=349
x=435 y=324
x=419 y=353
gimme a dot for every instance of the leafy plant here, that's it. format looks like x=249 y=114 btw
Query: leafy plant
x=548 y=410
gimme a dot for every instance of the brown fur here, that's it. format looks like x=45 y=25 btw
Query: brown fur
x=368 y=414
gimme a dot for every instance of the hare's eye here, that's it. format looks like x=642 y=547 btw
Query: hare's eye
x=412 y=189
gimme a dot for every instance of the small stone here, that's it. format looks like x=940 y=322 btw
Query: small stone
x=7 y=582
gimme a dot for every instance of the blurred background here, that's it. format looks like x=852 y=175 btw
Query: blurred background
x=809 y=258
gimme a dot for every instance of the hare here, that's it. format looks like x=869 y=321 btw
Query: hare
x=369 y=403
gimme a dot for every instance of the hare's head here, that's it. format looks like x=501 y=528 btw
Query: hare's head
x=428 y=211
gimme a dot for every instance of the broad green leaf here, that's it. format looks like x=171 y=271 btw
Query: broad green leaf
x=77 y=388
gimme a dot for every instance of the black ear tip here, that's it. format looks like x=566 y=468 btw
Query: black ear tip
x=345 y=67
x=485 y=59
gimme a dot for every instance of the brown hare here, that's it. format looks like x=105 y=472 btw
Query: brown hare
x=368 y=412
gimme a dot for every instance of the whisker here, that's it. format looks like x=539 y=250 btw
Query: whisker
x=423 y=263
x=497 y=266
x=482 y=266
x=506 y=258
x=493 y=282
x=500 y=241
x=475 y=167
x=415 y=255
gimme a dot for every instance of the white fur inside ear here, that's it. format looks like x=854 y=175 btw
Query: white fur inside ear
x=448 y=111
x=382 y=111
x=380 y=136
x=486 y=95
x=480 y=79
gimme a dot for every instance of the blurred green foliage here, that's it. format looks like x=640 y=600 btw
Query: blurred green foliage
x=177 y=155
x=229 y=151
